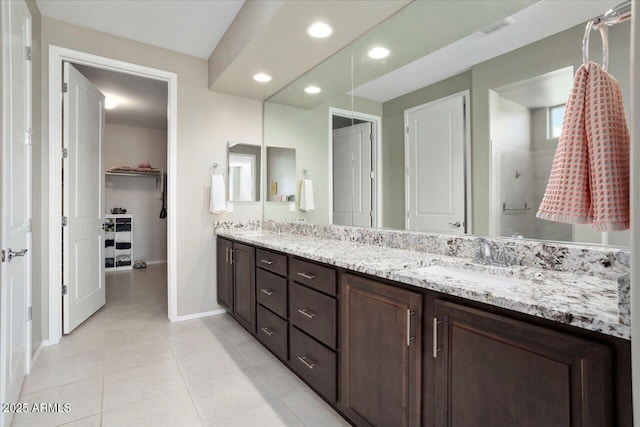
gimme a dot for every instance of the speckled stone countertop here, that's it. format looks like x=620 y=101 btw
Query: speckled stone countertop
x=588 y=302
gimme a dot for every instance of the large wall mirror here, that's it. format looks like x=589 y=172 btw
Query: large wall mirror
x=444 y=118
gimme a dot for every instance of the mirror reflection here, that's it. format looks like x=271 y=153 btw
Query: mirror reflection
x=281 y=174
x=446 y=127
x=244 y=172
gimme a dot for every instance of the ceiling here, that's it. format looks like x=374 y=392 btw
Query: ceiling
x=546 y=90
x=193 y=27
x=142 y=102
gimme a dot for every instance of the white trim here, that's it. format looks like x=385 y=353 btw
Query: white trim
x=466 y=100
x=36 y=355
x=377 y=153
x=58 y=55
x=635 y=206
x=198 y=315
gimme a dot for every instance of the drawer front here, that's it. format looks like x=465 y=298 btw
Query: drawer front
x=271 y=261
x=272 y=332
x=314 y=276
x=313 y=362
x=271 y=292
x=314 y=313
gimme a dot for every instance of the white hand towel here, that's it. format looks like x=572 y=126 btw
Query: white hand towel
x=306 y=195
x=218 y=202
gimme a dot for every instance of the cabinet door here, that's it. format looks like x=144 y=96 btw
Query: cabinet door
x=244 y=286
x=224 y=274
x=494 y=371
x=380 y=329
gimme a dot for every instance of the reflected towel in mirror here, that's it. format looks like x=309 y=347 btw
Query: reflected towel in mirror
x=217 y=203
x=306 y=195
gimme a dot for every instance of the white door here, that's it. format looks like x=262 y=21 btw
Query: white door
x=352 y=175
x=83 y=199
x=15 y=165
x=435 y=160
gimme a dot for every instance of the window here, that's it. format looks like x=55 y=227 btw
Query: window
x=554 y=121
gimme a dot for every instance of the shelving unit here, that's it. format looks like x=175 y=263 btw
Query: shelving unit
x=118 y=242
x=158 y=174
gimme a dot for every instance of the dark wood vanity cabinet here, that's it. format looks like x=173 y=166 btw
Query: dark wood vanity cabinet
x=224 y=274
x=381 y=343
x=491 y=370
x=244 y=286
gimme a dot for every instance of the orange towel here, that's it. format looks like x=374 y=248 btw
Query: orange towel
x=589 y=182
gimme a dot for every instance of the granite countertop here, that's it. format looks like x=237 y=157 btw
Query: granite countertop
x=587 y=302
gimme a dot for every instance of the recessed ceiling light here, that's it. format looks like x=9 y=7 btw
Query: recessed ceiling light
x=319 y=30
x=312 y=89
x=262 y=77
x=110 y=103
x=379 y=52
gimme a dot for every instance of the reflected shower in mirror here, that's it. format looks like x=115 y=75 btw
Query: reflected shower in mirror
x=244 y=172
x=281 y=174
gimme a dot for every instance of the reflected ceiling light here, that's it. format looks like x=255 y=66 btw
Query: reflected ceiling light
x=379 y=52
x=262 y=77
x=312 y=90
x=110 y=103
x=319 y=30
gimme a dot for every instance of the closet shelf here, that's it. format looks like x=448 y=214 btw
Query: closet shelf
x=157 y=174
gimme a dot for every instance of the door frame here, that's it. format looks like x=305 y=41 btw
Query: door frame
x=466 y=108
x=376 y=152
x=58 y=55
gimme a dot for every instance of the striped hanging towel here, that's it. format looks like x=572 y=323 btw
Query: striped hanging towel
x=589 y=182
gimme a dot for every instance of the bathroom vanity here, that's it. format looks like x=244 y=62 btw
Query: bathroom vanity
x=392 y=337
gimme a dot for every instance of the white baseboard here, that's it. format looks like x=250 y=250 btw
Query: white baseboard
x=156 y=262
x=41 y=346
x=197 y=315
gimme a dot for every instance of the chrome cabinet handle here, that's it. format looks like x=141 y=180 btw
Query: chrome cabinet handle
x=231 y=252
x=307 y=275
x=266 y=261
x=226 y=252
x=409 y=337
x=456 y=224
x=436 y=349
x=267 y=331
x=266 y=291
x=309 y=365
x=14 y=254
x=304 y=312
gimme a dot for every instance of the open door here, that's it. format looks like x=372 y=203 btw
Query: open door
x=83 y=199
x=352 y=175
x=15 y=204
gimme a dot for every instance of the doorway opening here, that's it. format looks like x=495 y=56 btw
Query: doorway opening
x=355 y=167
x=133 y=171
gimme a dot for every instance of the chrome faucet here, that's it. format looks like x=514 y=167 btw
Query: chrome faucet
x=275 y=225
x=483 y=253
x=486 y=255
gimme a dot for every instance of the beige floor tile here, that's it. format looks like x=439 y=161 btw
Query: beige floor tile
x=278 y=377
x=276 y=414
x=74 y=345
x=137 y=354
x=136 y=384
x=313 y=411
x=84 y=399
x=209 y=363
x=170 y=409
x=228 y=396
x=93 y=421
x=58 y=372
x=115 y=309
x=236 y=333
x=254 y=352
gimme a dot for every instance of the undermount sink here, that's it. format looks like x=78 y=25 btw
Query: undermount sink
x=470 y=275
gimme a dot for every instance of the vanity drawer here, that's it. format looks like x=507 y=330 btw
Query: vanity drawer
x=271 y=261
x=272 y=332
x=314 y=313
x=313 y=362
x=272 y=292
x=314 y=275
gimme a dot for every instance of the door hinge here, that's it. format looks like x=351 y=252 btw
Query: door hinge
x=65 y=88
x=371 y=137
x=64 y=221
x=372 y=174
x=371 y=214
x=65 y=290
x=29 y=313
x=29 y=225
x=28 y=53
x=65 y=153
x=3 y=255
x=29 y=136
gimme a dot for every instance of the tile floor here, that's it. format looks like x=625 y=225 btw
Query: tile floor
x=128 y=366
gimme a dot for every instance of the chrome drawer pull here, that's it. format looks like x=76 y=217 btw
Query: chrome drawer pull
x=436 y=349
x=304 y=312
x=266 y=291
x=266 y=261
x=267 y=331
x=307 y=275
x=309 y=365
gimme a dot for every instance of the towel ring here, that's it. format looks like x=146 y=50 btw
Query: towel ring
x=605 y=44
x=216 y=166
